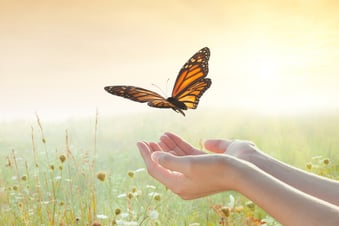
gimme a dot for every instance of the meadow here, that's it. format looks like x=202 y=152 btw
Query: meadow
x=88 y=171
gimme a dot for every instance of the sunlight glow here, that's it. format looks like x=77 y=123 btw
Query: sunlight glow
x=267 y=56
x=266 y=68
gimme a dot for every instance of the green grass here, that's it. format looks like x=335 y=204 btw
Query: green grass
x=78 y=172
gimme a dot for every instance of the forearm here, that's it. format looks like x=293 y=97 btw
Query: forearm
x=309 y=183
x=287 y=205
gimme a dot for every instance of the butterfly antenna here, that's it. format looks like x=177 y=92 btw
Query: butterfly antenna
x=167 y=85
x=163 y=93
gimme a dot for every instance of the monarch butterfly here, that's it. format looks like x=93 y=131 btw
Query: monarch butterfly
x=189 y=86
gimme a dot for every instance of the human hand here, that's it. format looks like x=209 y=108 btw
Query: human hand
x=172 y=143
x=241 y=149
x=189 y=176
x=278 y=189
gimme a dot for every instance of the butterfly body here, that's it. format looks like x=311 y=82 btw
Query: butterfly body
x=188 y=87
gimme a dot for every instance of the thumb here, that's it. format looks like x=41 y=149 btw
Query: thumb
x=217 y=145
x=170 y=161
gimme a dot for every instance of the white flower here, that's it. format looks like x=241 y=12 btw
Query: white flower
x=102 y=216
x=139 y=170
x=150 y=186
x=153 y=214
x=123 y=195
x=231 y=203
x=126 y=223
x=152 y=194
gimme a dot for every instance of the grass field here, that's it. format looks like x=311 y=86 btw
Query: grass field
x=89 y=172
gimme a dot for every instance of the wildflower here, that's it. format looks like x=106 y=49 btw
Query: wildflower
x=20 y=204
x=123 y=195
x=134 y=189
x=126 y=223
x=117 y=211
x=130 y=174
x=226 y=211
x=130 y=195
x=51 y=167
x=153 y=214
x=157 y=197
x=150 y=186
x=24 y=177
x=9 y=162
x=15 y=187
x=101 y=176
x=231 y=203
x=62 y=158
x=250 y=205
x=326 y=161
x=239 y=209
x=139 y=170
x=309 y=166
x=101 y=216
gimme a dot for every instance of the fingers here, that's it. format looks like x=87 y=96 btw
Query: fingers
x=177 y=145
x=145 y=153
x=217 y=145
x=155 y=146
x=186 y=176
x=169 y=142
x=171 y=162
x=178 y=141
x=160 y=173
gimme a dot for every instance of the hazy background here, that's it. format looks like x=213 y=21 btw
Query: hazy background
x=266 y=56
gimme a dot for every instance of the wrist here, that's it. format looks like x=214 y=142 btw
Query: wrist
x=235 y=172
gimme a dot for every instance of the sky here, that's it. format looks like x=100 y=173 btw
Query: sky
x=266 y=56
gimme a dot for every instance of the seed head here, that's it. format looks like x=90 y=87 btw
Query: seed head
x=131 y=174
x=129 y=195
x=326 y=161
x=226 y=211
x=101 y=175
x=62 y=158
x=157 y=197
x=309 y=166
x=24 y=177
x=117 y=211
x=250 y=205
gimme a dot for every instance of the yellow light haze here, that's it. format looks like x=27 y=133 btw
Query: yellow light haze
x=266 y=56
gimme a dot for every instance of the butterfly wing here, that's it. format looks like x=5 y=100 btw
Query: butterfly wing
x=191 y=95
x=194 y=69
x=140 y=95
x=191 y=83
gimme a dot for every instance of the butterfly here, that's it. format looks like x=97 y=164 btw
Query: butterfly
x=190 y=85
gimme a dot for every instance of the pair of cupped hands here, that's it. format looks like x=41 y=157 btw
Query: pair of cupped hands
x=192 y=173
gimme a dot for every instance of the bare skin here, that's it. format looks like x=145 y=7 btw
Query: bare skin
x=290 y=195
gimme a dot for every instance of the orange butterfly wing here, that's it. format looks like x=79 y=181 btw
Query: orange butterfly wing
x=192 y=71
x=191 y=83
x=140 y=95
x=190 y=96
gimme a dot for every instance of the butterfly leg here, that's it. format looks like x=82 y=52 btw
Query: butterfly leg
x=179 y=111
